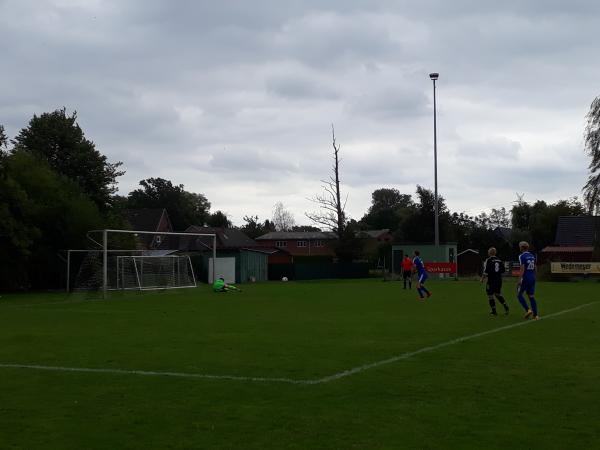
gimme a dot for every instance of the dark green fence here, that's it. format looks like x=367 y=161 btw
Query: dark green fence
x=318 y=270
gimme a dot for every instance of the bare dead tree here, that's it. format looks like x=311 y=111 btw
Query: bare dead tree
x=332 y=213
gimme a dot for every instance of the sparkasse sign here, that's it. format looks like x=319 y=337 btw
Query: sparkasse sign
x=440 y=267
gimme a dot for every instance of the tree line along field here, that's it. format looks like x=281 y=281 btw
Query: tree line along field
x=331 y=364
x=56 y=185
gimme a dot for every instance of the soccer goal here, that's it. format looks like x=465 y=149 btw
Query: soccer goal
x=154 y=272
x=137 y=260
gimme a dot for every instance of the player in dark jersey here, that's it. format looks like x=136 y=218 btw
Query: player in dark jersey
x=493 y=268
x=527 y=281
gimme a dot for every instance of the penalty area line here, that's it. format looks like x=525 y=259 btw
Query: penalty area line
x=154 y=373
x=323 y=380
x=393 y=359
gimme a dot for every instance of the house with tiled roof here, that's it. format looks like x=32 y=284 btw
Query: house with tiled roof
x=149 y=219
x=227 y=238
x=300 y=243
x=383 y=235
x=373 y=240
x=239 y=258
x=576 y=237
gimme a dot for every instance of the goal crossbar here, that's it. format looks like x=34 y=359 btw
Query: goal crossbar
x=105 y=249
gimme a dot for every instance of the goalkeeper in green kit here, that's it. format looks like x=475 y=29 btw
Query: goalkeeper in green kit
x=220 y=286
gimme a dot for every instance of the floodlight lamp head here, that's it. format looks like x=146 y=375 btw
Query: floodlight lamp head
x=434 y=76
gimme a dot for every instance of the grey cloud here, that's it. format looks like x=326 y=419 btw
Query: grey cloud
x=389 y=103
x=166 y=86
x=300 y=88
x=330 y=39
x=250 y=160
x=546 y=174
x=491 y=149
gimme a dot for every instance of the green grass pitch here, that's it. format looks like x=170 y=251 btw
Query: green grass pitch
x=282 y=355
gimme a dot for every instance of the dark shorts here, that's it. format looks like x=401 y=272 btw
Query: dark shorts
x=423 y=278
x=407 y=274
x=493 y=287
x=527 y=286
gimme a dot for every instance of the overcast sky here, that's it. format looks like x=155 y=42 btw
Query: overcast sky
x=235 y=99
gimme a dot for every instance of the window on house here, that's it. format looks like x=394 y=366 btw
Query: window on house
x=280 y=243
x=319 y=244
x=302 y=244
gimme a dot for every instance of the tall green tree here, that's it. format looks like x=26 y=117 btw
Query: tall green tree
x=419 y=225
x=218 y=219
x=305 y=228
x=592 y=147
x=253 y=228
x=538 y=221
x=388 y=209
x=520 y=215
x=499 y=217
x=57 y=138
x=41 y=213
x=16 y=232
x=184 y=208
x=349 y=247
x=3 y=139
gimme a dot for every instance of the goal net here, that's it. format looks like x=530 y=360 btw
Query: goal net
x=154 y=272
x=137 y=260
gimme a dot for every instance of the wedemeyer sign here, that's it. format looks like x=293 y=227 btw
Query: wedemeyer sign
x=576 y=267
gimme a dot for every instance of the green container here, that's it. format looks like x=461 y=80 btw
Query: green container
x=445 y=253
x=252 y=265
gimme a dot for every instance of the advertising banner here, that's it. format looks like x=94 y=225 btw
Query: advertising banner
x=440 y=267
x=576 y=267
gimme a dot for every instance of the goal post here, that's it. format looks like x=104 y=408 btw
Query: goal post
x=72 y=260
x=108 y=257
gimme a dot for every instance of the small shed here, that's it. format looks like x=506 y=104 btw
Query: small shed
x=253 y=265
x=244 y=265
x=238 y=256
x=469 y=262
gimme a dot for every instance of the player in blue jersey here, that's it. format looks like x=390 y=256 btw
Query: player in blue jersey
x=527 y=281
x=419 y=267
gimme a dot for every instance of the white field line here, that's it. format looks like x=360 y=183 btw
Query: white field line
x=407 y=355
x=14 y=304
x=76 y=311
x=327 y=379
x=87 y=301
x=154 y=373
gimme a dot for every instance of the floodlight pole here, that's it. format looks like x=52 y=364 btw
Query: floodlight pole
x=434 y=77
x=104 y=263
x=68 y=270
x=214 y=261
